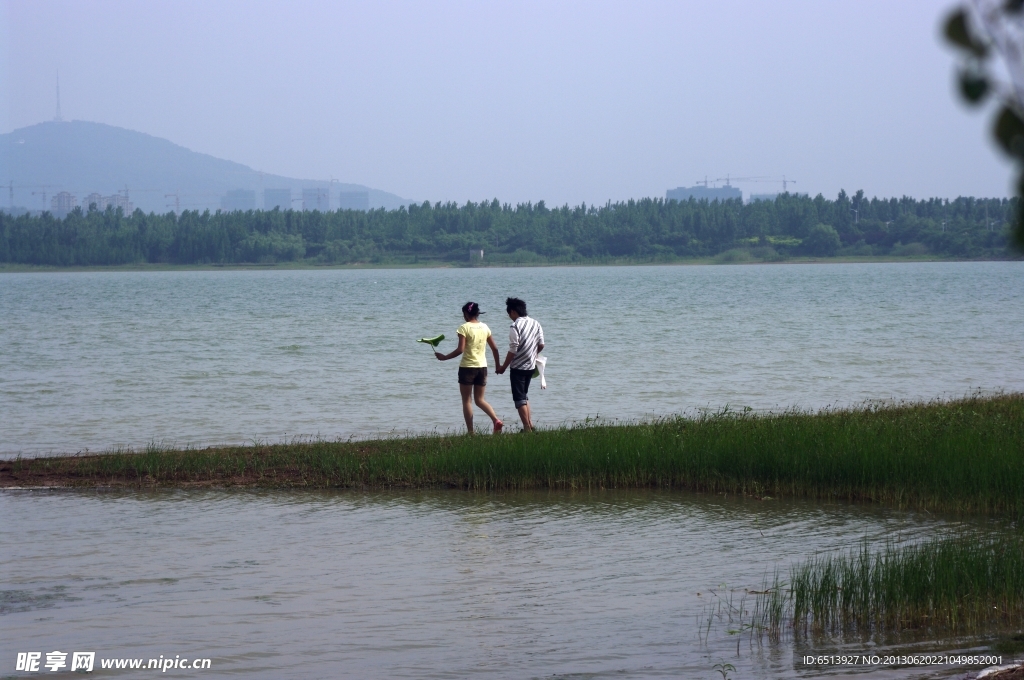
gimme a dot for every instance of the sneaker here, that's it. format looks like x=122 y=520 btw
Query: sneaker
x=497 y=426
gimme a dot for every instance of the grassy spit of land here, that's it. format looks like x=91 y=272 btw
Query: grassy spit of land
x=964 y=455
x=960 y=583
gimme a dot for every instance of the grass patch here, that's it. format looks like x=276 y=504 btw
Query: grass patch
x=734 y=256
x=957 y=584
x=965 y=455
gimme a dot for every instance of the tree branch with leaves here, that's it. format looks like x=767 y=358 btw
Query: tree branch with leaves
x=989 y=34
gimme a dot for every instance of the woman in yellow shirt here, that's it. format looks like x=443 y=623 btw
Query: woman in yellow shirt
x=474 y=339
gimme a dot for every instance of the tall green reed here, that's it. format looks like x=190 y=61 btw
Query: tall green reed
x=960 y=583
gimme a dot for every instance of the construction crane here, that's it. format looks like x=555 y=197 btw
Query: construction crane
x=43 y=190
x=11 y=186
x=43 y=187
x=176 y=204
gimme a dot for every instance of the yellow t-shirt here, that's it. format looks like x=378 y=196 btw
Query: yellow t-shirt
x=475 y=354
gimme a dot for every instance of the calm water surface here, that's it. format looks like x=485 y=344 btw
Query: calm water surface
x=420 y=585
x=97 y=360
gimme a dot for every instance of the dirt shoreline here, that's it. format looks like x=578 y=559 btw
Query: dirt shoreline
x=12 y=268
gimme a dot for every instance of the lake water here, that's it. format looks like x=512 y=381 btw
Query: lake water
x=423 y=585
x=98 y=360
x=452 y=584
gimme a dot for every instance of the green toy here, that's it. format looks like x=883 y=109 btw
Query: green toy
x=433 y=342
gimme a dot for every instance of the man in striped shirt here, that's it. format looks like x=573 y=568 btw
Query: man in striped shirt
x=525 y=340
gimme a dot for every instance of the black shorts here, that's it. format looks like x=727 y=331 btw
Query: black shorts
x=520 y=380
x=473 y=376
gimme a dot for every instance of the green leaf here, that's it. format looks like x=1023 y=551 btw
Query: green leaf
x=959 y=35
x=1009 y=132
x=973 y=86
x=433 y=342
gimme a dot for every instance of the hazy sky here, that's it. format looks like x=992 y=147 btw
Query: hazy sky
x=523 y=101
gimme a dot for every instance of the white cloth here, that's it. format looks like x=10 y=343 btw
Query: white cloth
x=538 y=371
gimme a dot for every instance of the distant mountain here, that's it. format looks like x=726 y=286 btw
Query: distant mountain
x=85 y=158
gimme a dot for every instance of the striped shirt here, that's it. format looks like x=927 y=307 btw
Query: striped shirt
x=524 y=337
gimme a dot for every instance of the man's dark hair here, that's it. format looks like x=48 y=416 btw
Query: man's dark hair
x=515 y=305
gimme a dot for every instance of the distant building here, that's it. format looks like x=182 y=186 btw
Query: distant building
x=316 y=199
x=103 y=202
x=238 y=199
x=354 y=200
x=277 y=198
x=95 y=199
x=119 y=201
x=700 y=193
x=62 y=204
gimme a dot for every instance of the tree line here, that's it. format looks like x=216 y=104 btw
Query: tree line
x=640 y=230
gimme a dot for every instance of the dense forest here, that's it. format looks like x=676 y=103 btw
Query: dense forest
x=641 y=230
